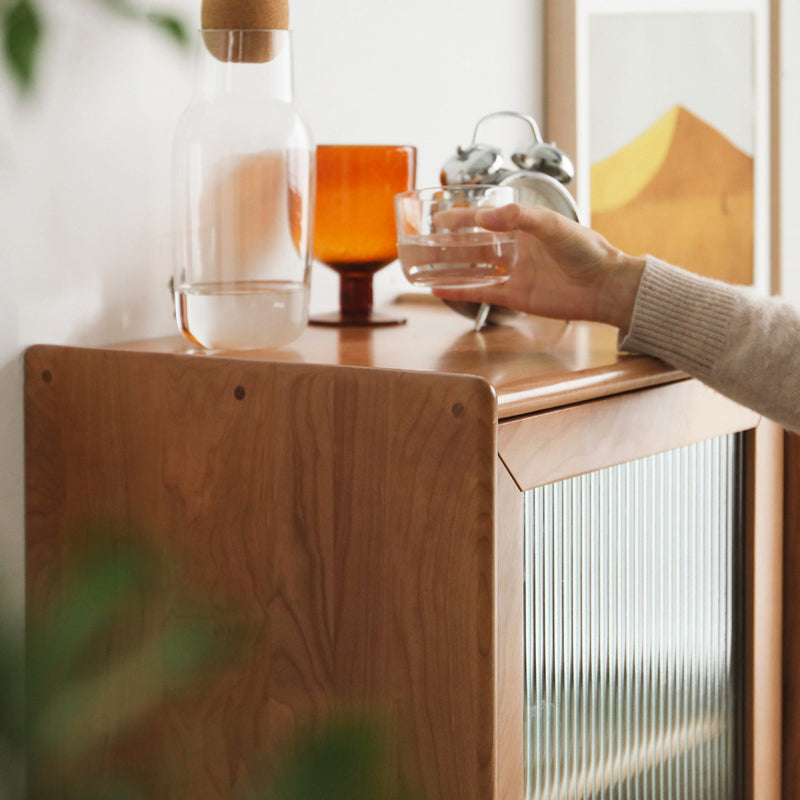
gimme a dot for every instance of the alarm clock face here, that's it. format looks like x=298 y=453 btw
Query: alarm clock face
x=538 y=189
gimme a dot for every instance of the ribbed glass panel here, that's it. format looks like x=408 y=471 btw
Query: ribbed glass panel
x=632 y=584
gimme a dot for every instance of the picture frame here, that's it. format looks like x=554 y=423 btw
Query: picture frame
x=668 y=110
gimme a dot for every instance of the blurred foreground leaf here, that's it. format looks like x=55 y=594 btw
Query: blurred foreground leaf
x=22 y=33
x=117 y=635
x=167 y=23
x=22 y=25
x=123 y=7
x=12 y=679
x=171 y=25
x=84 y=712
x=114 y=641
x=95 y=588
x=347 y=761
x=12 y=712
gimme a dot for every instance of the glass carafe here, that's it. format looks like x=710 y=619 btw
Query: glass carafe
x=243 y=196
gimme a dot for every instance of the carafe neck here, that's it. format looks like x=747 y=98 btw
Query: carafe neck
x=244 y=65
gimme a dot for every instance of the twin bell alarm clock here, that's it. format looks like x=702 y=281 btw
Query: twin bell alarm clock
x=538 y=171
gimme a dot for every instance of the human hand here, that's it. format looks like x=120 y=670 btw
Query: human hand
x=564 y=270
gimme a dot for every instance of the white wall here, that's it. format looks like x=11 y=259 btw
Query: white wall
x=419 y=72
x=85 y=165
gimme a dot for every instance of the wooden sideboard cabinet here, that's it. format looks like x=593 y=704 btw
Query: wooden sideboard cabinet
x=547 y=568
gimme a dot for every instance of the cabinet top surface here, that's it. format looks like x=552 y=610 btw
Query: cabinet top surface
x=532 y=363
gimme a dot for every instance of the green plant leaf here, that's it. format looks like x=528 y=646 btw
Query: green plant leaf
x=170 y=25
x=96 y=587
x=123 y=7
x=340 y=763
x=163 y=21
x=22 y=33
x=12 y=679
x=70 y=723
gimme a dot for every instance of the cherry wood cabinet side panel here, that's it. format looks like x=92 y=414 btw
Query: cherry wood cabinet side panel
x=763 y=577
x=342 y=518
x=573 y=440
x=791 y=618
x=415 y=578
x=510 y=637
x=183 y=453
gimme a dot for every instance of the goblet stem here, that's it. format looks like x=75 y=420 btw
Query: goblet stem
x=355 y=299
x=355 y=294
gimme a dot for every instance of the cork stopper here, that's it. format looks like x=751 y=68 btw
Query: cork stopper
x=251 y=19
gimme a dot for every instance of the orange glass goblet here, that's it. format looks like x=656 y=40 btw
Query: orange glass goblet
x=354 y=226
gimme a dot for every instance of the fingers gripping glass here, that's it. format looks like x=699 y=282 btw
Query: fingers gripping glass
x=440 y=243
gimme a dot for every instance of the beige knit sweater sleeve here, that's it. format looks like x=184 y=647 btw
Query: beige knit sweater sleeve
x=740 y=343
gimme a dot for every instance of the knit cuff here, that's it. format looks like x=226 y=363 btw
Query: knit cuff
x=680 y=317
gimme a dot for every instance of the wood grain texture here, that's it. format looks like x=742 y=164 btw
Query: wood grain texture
x=345 y=516
x=532 y=363
x=510 y=638
x=763 y=569
x=559 y=444
x=560 y=97
x=791 y=618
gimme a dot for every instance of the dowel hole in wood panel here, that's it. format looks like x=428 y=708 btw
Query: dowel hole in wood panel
x=238 y=392
x=458 y=410
x=47 y=376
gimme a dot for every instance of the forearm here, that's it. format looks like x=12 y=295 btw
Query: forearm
x=745 y=346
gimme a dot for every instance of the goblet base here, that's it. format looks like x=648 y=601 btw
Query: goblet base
x=369 y=319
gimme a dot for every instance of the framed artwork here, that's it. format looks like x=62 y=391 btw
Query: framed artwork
x=665 y=106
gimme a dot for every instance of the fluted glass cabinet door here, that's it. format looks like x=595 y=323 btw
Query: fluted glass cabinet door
x=633 y=586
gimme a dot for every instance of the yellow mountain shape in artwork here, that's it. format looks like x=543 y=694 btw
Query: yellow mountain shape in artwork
x=618 y=179
x=681 y=191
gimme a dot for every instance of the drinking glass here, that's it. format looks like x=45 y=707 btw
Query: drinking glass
x=354 y=226
x=440 y=242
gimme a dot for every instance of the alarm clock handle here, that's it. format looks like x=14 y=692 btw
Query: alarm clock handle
x=517 y=115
